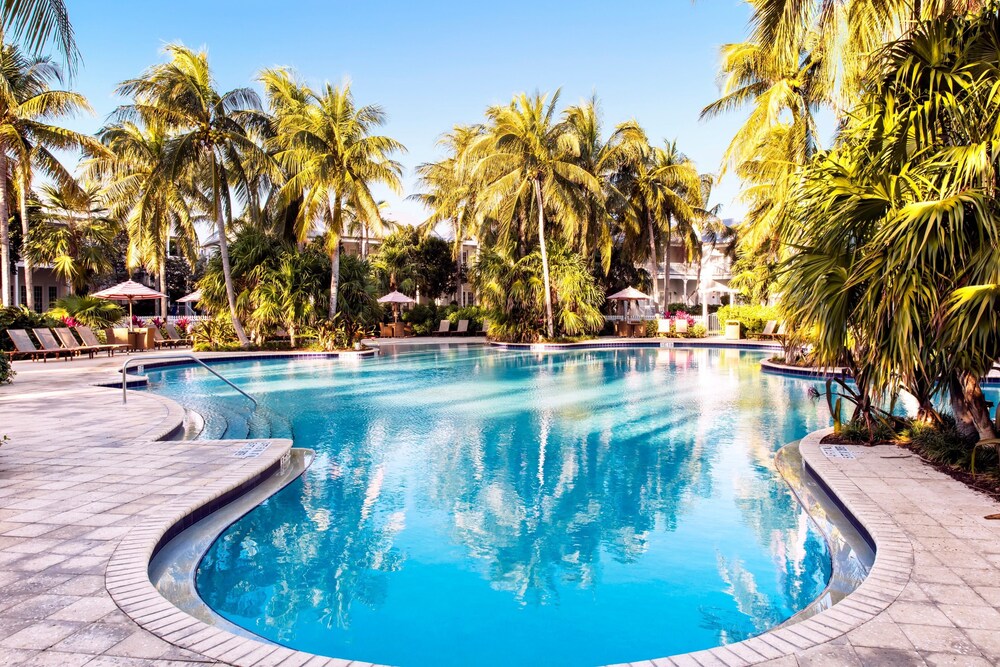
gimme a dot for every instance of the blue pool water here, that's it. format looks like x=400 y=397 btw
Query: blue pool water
x=470 y=506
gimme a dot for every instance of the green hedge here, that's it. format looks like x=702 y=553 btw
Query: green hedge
x=753 y=318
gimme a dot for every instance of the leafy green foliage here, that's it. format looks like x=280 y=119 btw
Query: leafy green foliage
x=7 y=372
x=512 y=295
x=87 y=310
x=214 y=334
x=19 y=317
x=753 y=317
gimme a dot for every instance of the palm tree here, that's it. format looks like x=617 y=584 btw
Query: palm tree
x=74 y=235
x=450 y=191
x=26 y=102
x=895 y=229
x=209 y=138
x=137 y=190
x=529 y=157
x=326 y=144
x=39 y=23
x=656 y=184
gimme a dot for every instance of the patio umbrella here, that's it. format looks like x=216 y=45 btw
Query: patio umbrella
x=129 y=291
x=629 y=294
x=395 y=298
x=190 y=298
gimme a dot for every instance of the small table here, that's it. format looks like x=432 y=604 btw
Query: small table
x=137 y=339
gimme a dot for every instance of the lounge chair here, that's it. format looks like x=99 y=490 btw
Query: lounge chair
x=50 y=344
x=768 y=331
x=174 y=335
x=662 y=327
x=158 y=339
x=88 y=337
x=70 y=342
x=386 y=331
x=24 y=347
x=444 y=327
x=681 y=325
x=781 y=332
x=462 y=329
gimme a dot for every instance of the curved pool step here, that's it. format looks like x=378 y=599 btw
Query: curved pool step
x=215 y=423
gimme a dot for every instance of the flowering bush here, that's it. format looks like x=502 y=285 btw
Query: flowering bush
x=70 y=321
x=183 y=324
x=158 y=322
x=682 y=315
x=138 y=321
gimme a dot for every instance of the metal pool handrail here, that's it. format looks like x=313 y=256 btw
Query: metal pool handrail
x=181 y=355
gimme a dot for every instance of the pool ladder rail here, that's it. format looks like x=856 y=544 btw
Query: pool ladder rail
x=178 y=355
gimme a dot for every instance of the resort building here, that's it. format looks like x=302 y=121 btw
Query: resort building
x=46 y=285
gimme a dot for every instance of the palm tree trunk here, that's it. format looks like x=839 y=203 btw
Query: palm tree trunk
x=666 y=266
x=972 y=414
x=334 y=232
x=4 y=234
x=163 y=285
x=220 y=228
x=29 y=278
x=458 y=268
x=653 y=264
x=549 y=321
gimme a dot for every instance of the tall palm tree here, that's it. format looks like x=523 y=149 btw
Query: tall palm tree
x=209 y=137
x=74 y=234
x=37 y=23
x=656 y=183
x=137 y=190
x=450 y=190
x=325 y=141
x=528 y=155
x=26 y=139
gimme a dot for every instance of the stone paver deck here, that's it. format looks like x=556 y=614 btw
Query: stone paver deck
x=85 y=491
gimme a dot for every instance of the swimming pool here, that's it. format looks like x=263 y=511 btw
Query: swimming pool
x=475 y=506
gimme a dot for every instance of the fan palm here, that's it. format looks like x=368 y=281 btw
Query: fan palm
x=325 y=142
x=26 y=139
x=896 y=229
x=209 y=137
x=528 y=155
x=74 y=235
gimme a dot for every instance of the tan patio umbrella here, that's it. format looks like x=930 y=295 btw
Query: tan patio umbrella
x=193 y=297
x=629 y=294
x=129 y=291
x=395 y=298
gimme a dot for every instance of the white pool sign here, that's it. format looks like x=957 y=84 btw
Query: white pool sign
x=837 y=452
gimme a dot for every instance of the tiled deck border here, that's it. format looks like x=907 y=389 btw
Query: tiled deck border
x=884 y=583
x=829 y=631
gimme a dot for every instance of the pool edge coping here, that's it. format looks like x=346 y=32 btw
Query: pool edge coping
x=886 y=580
x=127 y=579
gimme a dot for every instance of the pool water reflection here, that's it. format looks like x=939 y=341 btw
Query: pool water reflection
x=473 y=506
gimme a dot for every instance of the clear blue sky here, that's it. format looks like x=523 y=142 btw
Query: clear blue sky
x=434 y=64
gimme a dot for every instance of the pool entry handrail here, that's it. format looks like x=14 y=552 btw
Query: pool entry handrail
x=178 y=355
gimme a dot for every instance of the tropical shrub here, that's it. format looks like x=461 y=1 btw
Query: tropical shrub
x=214 y=334
x=753 y=317
x=512 y=295
x=6 y=370
x=895 y=229
x=19 y=317
x=87 y=310
x=474 y=314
